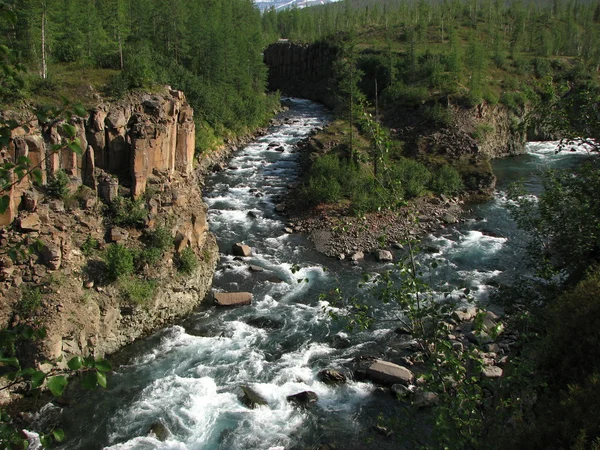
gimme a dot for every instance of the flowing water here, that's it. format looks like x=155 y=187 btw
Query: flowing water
x=187 y=376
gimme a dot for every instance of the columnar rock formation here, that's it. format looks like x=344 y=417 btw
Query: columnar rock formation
x=129 y=140
x=302 y=70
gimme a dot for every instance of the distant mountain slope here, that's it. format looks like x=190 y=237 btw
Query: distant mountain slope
x=280 y=4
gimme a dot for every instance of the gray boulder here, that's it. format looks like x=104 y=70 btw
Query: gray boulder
x=389 y=373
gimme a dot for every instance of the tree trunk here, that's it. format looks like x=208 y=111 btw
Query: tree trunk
x=44 y=63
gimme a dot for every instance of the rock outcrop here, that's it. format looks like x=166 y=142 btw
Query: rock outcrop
x=142 y=147
x=130 y=140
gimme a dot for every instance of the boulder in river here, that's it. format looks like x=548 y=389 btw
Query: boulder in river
x=303 y=398
x=159 y=430
x=240 y=249
x=389 y=373
x=332 y=376
x=251 y=398
x=265 y=322
x=357 y=256
x=232 y=298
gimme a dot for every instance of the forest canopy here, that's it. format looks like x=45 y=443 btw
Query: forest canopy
x=210 y=49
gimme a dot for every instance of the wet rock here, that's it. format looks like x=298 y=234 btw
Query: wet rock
x=280 y=208
x=382 y=430
x=265 y=323
x=240 y=249
x=253 y=268
x=303 y=398
x=288 y=230
x=424 y=399
x=389 y=373
x=252 y=215
x=251 y=398
x=232 y=298
x=384 y=256
x=340 y=342
x=159 y=430
x=332 y=376
x=400 y=390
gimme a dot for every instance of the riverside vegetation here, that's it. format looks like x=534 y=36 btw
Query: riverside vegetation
x=422 y=58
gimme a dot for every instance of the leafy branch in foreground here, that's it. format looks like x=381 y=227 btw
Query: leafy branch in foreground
x=16 y=375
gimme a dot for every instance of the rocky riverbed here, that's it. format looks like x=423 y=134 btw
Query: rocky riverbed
x=337 y=234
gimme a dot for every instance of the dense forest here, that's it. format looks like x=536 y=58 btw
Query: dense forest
x=211 y=50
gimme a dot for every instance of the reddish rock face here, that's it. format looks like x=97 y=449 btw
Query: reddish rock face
x=130 y=140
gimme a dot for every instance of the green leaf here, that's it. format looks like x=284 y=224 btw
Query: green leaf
x=75 y=363
x=58 y=435
x=10 y=361
x=89 y=380
x=4 y=202
x=101 y=379
x=57 y=385
x=37 y=379
x=69 y=130
x=103 y=365
x=37 y=176
x=80 y=110
x=75 y=147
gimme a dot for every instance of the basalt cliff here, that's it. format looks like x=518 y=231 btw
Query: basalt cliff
x=52 y=247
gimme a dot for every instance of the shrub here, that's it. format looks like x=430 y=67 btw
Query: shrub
x=136 y=290
x=446 y=181
x=400 y=94
x=31 y=301
x=89 y=245
x=413 y=176
x=150 y=255
x=128 y=212
x=438 y=115
x=187 y=261
x=482 y=131
x=57 y=184
x=160 y=239
x=119 y=261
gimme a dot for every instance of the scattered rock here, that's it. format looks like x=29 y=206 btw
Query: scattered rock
x=251 y=398
x=464 y=314
x=384 y=256
x=118 y=234
x=424 y=399
x=382 y=430
x=389 y=373
x=491 y=372
x=332 y=376
x=240 y=249
x=357 y=256
x=288 y=230
x=30 y=200
x=51 y=256
x=303 y=398
x=400 y=390
x=30 y=223
x=232 y=298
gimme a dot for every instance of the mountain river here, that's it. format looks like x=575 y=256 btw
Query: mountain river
x=188 y=376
